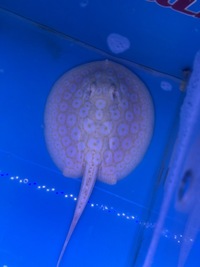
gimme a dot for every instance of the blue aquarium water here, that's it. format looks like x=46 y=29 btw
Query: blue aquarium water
x=36 y=201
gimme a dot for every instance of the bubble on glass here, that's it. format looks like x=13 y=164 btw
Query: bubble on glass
x=118 y=43
x=121 y=214
x=84 y=3
x=166 y=86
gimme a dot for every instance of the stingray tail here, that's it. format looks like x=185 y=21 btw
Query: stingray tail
x=87 y=186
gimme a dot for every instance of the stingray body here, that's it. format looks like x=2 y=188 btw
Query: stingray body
x=98 y=124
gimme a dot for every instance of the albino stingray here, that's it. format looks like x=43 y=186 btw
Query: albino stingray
x=99 y=120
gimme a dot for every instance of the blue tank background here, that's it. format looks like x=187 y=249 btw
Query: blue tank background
x=35 y=214
x=160 y=38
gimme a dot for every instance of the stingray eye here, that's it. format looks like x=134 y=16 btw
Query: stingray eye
x=90 y=90
x=114 y=94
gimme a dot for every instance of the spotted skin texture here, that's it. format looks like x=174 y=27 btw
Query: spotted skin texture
x=99 y=120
